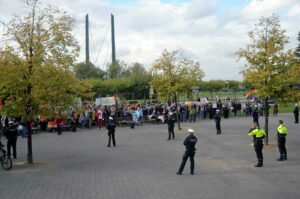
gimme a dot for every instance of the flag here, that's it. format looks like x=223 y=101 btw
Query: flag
x=252 y=91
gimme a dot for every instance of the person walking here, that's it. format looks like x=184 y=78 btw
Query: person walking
x=218 y=121
x=111 y=126
x=189 y=142
x=296 y=113
x=258 y=136
x=11 y=134
x=282 y=132
x=171 y=125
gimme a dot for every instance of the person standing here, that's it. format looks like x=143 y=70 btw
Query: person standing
x=111 y=126
x=100 y=118
x=171 y=125
x=255 y=115
x=258 y=136
x=134 y=114
x=140 y=116
x=282 y=132
x=11 y=134
x=275 y=109
x=58 y=124
x=73 y=121
x=189 y=142
x=296 y=113
x=218 y=121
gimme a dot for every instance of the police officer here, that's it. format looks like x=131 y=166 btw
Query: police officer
x=218 y=121
x=296 y=113
x=111 y=126
x=171 y=126
x=11 y=134
x=282 y=131
x=258 y=136
x=189 y=143
x=255 y=115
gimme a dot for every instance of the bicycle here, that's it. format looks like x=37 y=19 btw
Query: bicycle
x=5 y=161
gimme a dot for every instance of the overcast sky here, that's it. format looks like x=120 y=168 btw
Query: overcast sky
x=209 y=31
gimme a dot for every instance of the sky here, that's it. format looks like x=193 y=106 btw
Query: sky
x=209 y=31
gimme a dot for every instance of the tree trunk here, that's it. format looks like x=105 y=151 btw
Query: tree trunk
x=29 y=143
x=177 y=112
x=267 y=120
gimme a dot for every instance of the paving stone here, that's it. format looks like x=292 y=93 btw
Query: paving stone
x=143 y=165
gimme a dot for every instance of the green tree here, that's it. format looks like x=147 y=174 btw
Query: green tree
x=140 y=78
x=137 y=69
x=175 y=75
x=89 y=71
x=268 y=64
x=117 y=69
x=37 y=66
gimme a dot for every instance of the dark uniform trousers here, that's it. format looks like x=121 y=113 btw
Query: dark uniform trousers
x=281 y=146
x=171 y=132
x=184 y=159
x=12 y=143
x=218 y=126
x=111 y=136
x=58 y=130
x=258 y=147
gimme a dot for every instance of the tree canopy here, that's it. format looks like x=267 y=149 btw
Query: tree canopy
x=174 y=75
x=89 y=71
x=37 y=65
x=268 y=64
x=136 y=81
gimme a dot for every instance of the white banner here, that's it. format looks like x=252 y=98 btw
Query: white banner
x=105 y=101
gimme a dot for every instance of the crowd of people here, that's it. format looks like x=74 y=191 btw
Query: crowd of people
x=108 y=117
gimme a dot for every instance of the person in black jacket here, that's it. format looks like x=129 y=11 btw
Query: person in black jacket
x=296 y=113
x=11 y=134
x=111 y=126
x=255 y=115
x=171 y=126
x=189 y=143
x=218 y=121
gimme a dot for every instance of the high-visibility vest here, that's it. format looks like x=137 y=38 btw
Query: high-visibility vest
x=258 y=133
x=282 y=129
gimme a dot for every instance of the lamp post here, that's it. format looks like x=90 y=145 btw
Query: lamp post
x=227 y=89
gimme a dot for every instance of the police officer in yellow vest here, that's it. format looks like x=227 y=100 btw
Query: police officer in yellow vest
x=282 y=131
x=258 y=136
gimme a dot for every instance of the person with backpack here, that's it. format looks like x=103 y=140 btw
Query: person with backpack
x=282 y=131
x=258 y=136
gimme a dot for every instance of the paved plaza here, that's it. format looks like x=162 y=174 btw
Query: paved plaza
x=143 y=165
